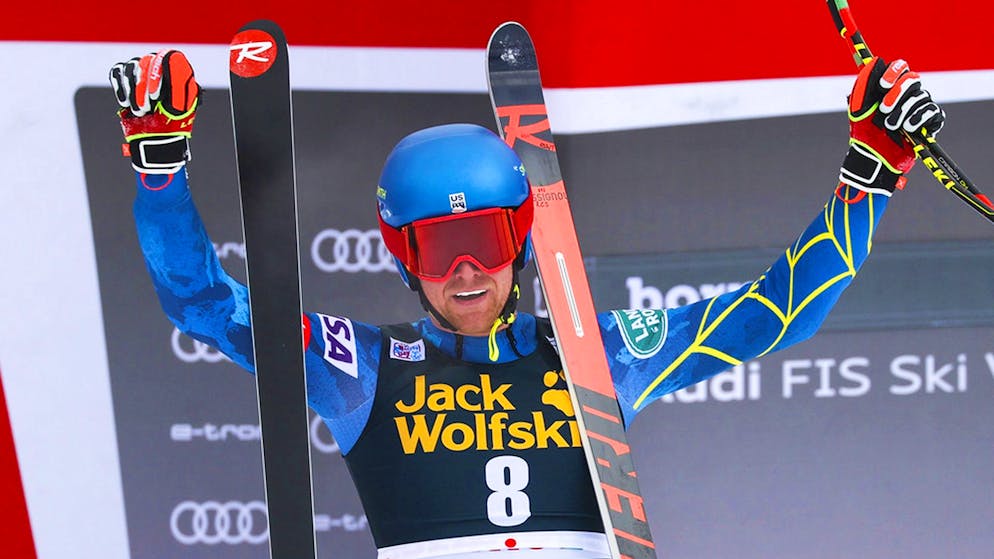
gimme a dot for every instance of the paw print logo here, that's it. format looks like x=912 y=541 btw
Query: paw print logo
x=557 y=397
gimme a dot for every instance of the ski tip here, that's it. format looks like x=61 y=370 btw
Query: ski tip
x=266 y=25
x=509 y=27
x=254 y=49
x=511 y=49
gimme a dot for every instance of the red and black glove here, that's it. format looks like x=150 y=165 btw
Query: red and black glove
x=886 y=101
x=158 y=96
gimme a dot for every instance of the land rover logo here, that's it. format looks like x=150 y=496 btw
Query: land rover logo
x=643 y=331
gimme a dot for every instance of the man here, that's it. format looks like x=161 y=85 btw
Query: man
x=456 y=428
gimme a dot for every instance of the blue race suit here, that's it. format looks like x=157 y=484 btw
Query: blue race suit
x=345 y=359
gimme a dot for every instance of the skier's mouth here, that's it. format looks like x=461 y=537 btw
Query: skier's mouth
x=470 y=295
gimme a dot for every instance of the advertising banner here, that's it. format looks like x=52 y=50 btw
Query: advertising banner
x=873 y=439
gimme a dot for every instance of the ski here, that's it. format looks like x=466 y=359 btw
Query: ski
x=262 y=117
x=938 y=162
x=519 y=106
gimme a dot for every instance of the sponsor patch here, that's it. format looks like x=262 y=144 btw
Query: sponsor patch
x=339 y=344
x=403 y=351
x=643 y=331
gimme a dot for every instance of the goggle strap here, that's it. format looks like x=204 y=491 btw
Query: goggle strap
x=521 y=219
x=396 y=241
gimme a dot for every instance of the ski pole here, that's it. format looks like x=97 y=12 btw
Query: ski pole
x=942 y=167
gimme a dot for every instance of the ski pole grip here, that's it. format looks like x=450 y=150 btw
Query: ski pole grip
x=846 y=26
x=942 y=167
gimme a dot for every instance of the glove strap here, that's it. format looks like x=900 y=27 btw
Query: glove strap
x=864 y=170
x=159 y=155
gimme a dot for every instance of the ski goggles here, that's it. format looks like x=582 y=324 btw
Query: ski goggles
x=432 y=248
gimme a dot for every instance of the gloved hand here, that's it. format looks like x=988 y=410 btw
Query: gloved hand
x=159 y=97
x=886 y=100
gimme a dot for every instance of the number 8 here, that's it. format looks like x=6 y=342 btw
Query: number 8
x=507 y=505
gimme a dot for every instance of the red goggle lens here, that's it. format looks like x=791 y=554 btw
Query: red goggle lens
x=485 y=238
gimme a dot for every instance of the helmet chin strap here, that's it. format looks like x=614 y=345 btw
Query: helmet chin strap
x=415 y=285
x=507 y=314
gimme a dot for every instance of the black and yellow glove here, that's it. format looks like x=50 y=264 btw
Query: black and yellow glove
x=886 y=101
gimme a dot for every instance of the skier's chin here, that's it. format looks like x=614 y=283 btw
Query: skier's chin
x=473 y=322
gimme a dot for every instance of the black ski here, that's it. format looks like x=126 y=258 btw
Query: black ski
x=519 y=105
x=261 y=112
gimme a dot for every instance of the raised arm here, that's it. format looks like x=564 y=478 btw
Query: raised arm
x=158 y=97
x=788 y=302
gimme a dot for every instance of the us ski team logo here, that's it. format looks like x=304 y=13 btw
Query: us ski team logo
x=643 y=331
x=403 y=351
x=457 y=201
x=253 y=51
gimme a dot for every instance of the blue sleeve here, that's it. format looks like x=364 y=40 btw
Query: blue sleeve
x=195 y=292
x=207 y=304
x=342 y=358
x=655 y=352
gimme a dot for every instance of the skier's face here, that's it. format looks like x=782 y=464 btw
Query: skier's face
x=470 y=298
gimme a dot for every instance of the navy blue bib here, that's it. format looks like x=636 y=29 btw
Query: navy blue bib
x=454 y=448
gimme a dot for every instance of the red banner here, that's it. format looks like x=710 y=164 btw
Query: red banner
x=580 y=44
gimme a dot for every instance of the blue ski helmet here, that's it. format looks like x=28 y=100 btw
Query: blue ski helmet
x=445 y=170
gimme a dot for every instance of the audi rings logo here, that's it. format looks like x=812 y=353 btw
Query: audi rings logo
x=227 y=249
x=321 y=438
x=351 y=251
x=213 y=522
x=189 y=350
